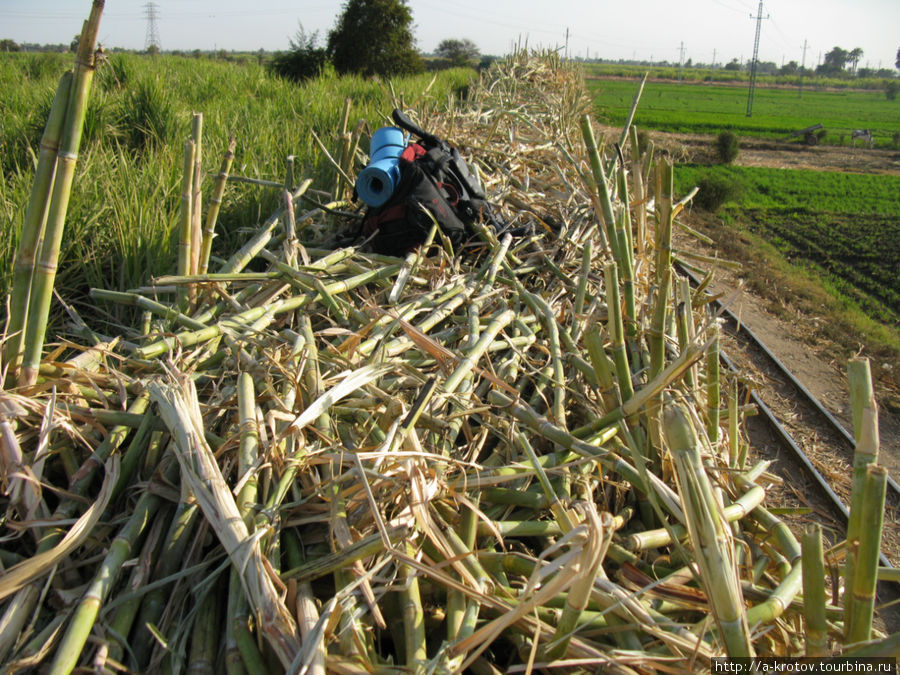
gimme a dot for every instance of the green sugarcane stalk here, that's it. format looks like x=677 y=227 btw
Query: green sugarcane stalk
x=737 y=452
x=626 y=265
x=133 y=454
x=663 y=275
x=204 y=639
x=813 y=563
x=657 y=343
x=196 y=192
x=88 y=608
x=215 y=204
x=569 y=441
x=713 y=393
x=605 y=212
x=558 y=377
x=650 y=539
x=36 y=645
x=242 y=257
x=192 y=338
x=888 y=647
x=603 y=369
x=587 y=255
x=249 y=448
x=157 y=308
x=185 y=228
x=565 y=522
x=241 y=637
x=709 y=533
x=865 y=431
x=45 y=272
x=657 y=332
x=33 y=226
x=634 y=104
x=858 y=619
x=639 y=192
x=307 y=612
x=665 y=189
x=649 y=392
x=684 y=321
x=119 y=626
x=234 y=661
x=415 y=651
x=616 y=330
x=593 y=550
x=457 y=602
x=177 y=539
x=783 y=595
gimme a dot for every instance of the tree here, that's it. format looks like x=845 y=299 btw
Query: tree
x=897 y=62
x=7 y=45
x=305 y=59
x=854 y=56
x=835 y=61
x=789 y=68
x=459 y=53
x=733 y=65
x=374 y=37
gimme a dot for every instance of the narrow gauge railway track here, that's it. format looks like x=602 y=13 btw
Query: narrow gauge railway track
x=827 y=474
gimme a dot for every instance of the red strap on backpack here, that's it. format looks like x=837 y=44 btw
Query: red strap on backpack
x=412 y=152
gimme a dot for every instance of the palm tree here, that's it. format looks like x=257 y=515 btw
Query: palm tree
x=854 y=57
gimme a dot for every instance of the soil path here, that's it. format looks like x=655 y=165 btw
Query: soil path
x=784 y=154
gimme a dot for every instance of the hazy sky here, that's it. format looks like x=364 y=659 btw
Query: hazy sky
x=641 y=29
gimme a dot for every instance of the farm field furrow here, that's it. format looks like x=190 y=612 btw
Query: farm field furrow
x=845 y=225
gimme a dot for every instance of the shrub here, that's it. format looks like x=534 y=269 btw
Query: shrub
x=303 y=62
x=890 y=90
x=727 y=147
x=716 y=189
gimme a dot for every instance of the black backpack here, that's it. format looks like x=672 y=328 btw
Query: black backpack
x=433 y=177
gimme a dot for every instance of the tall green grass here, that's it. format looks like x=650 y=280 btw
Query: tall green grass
x=124 y=206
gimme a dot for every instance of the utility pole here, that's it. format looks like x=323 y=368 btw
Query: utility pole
x=759 y=17
x=680 y=59
x=712 y=71
x=567 y=44
x=151 y=43
x=802 y=68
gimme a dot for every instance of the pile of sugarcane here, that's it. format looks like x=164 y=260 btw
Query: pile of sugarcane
x=518 y=454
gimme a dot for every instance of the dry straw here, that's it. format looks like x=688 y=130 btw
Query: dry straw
x=504 y=457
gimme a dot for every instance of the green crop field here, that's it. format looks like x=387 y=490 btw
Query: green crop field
x=842 y=227
x=845 y=226
x=711 y=108
x=125 y=199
